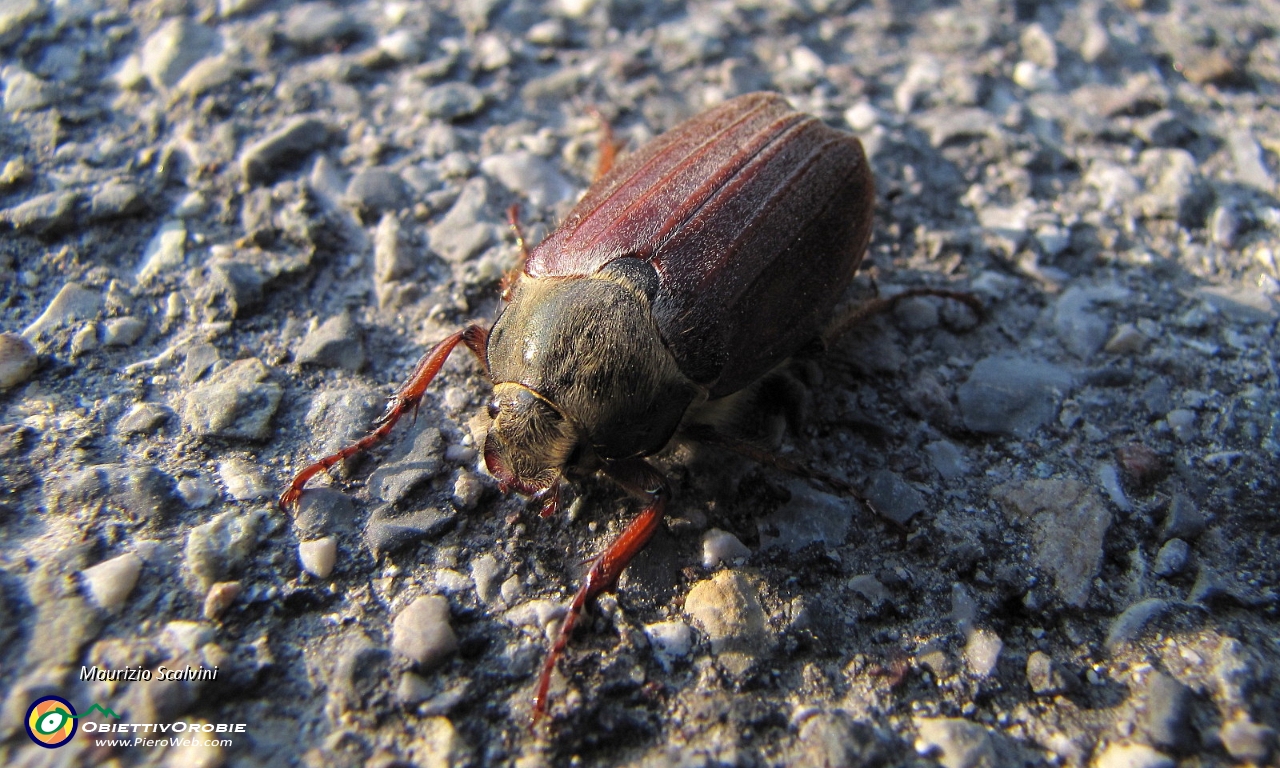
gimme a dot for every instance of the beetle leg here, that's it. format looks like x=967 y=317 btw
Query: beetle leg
x=513 y=274
x=705 y=433
x=406 y=399
x=608 y=145
x=866 y=310
x=640 y=479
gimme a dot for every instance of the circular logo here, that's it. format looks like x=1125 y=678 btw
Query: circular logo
x=51 y=721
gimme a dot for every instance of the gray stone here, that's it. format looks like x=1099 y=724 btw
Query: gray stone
x=1247 y=741
x=144 y=419
x=1251 y=167
x=320 y=511
x=894 y=498
x=199 y=359
x=1184 y=519
x=1070 y=524
x=25 y=92
x=1046 y=677
x=1165 y=128
x=961 y=744
x=422 y=633
x=73 y=303
x=18 y=360
x=174 y=48
x=948 y=459
x=377 y=190
x=1076 y=322
x=229 y=288
x=389 y=530
x=1133 y=756
x=462 y=233
x=451 y=101
x=1012 y=396
x=123 y=331
x=1129 y=625
x=243 y=480
x=319 y=25
x=1166 y=714
x=359 y=669
x=165 y=250
x=44 y=215
x=196 y=492
x=1172 y=558
x=528 y=175
x=229 y=8
x=235 y=403
x=1175 y=189
x=336 y=343
x=487 y=574
x=833 y=740
x=392 y=258
x=727 y=608
x=284 y=150
x=810 y=516
x=1240 y=303
x=17 y=17
x=410 y=465
x=221 y=547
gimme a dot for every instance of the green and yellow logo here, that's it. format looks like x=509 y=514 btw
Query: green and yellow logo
x=52 y=721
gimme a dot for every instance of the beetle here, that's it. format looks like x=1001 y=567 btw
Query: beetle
x=689 y=271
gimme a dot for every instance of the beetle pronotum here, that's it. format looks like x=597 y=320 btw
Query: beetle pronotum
x=689 y=270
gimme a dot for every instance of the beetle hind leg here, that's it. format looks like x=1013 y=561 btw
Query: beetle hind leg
x=860 y=313
x=640 y=479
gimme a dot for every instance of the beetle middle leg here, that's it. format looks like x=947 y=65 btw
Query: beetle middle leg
x=640 y=479
x=406 y=399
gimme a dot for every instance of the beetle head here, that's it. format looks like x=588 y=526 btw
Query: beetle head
x=529 y=444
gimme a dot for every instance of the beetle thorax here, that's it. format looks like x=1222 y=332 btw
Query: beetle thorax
x=581 y=375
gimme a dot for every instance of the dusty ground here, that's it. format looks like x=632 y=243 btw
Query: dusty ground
x=231 y=227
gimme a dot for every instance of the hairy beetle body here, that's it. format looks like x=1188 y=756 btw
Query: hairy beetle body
x=687 y=272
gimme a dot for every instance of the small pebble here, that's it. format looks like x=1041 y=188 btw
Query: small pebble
x=219 y=598
x=196 y=492
x=1172 y=558
x=221 y=547
x=110 y=582
x=1184 y=519
x=72 y=304
x=530 y=176
x=463 y=233
x=1044 y=675
x=962 y=744
x=319 y=556
x=1129 y=624
x=451 y=101
x=1247 y=741
x=1183 y=424
x=235 y=403
x=317 y=25
x=671 y=641
x=243 y=480
x=1012 y=396
x=164 y=252
x=727 y=607
x=18 y=360
x=265 y=160
x=894 y=497
x=336 y=343
x=1133 y=756
x=982 y=652
x=376 y=191
x=144 y=419
x=721 y=547
x=123 y=331
x=1127 y=340
x=1166 y=714
x=422 y=633
x=174 y=48
x=488 y=576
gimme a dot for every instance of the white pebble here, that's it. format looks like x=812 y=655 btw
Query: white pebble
x=721 y=546
x=110 y=582
x=318 y=557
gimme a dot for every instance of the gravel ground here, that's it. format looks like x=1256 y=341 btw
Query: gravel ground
x=231 y=227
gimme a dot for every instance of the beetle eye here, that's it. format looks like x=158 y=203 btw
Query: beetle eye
x=493 y=408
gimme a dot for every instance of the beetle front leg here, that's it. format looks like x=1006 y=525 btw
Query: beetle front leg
x=639 y=479
x=406 y=399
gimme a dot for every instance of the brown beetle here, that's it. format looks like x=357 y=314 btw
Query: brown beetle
x=690 y=270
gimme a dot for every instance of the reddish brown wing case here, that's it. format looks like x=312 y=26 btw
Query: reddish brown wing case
x=755 y=217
